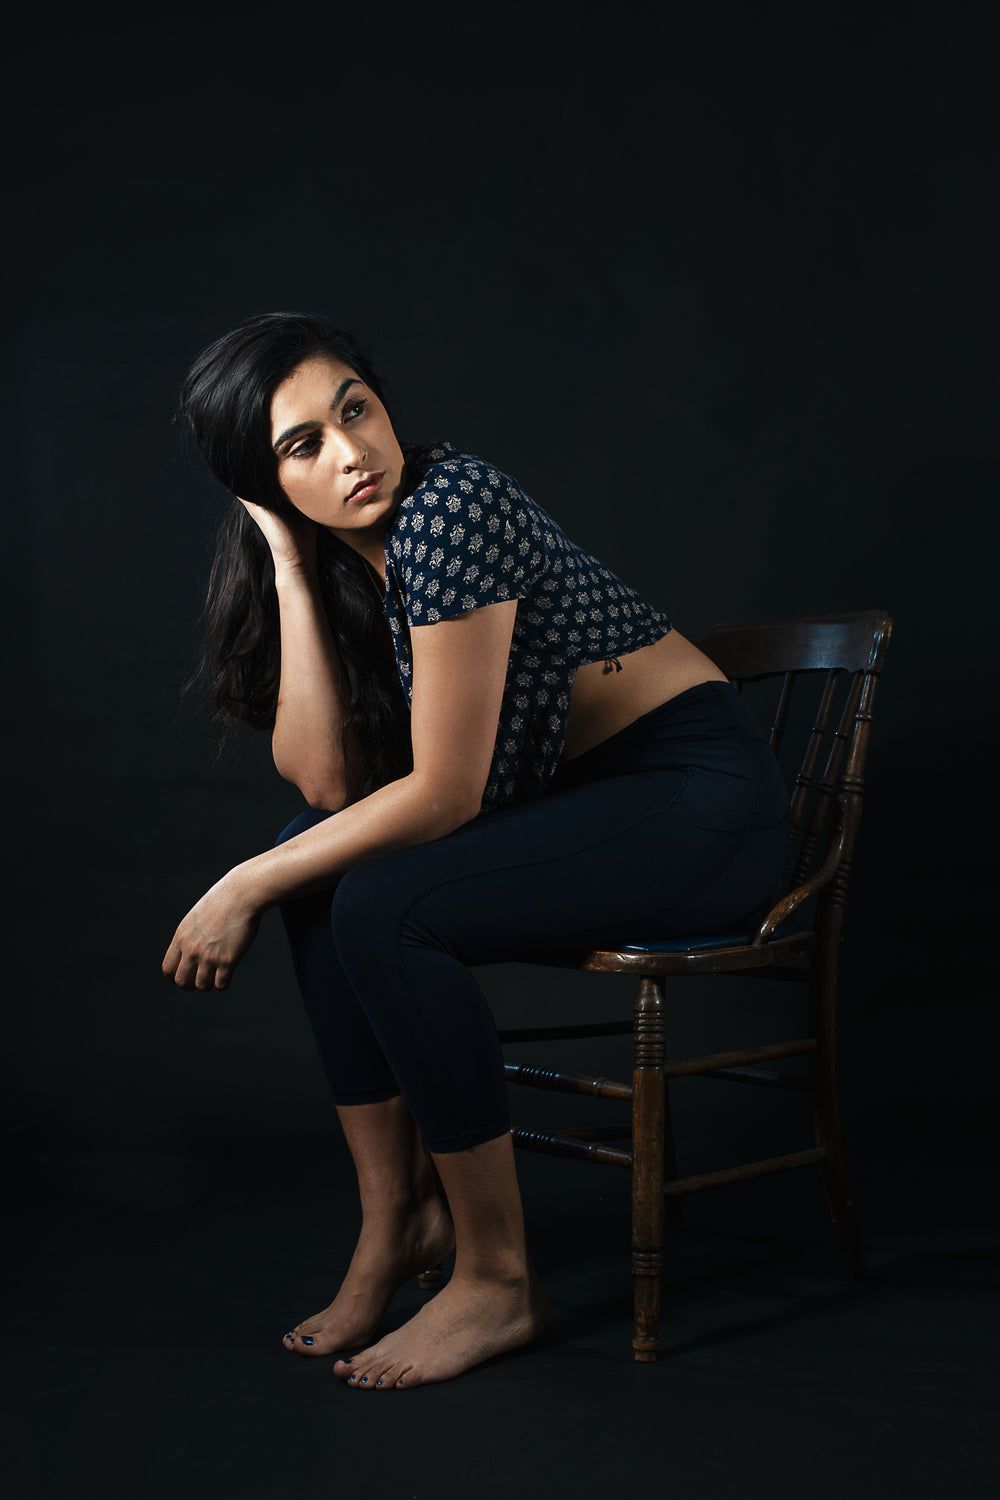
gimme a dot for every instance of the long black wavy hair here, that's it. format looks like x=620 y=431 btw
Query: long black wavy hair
x=226 y=402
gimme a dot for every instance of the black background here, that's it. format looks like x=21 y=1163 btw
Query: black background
x=717 y=283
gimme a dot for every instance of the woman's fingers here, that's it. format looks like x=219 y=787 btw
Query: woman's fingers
x=205 y=977
x=181 y=967
x=191 y=974
x=211 y=940
x=171 y=959
x=190 y=971
x=291 y=537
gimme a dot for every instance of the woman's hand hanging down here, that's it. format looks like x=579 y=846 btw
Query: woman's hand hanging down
x=214 y=936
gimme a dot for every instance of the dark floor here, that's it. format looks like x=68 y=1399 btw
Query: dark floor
x=152 y=1291
x=182 y=1196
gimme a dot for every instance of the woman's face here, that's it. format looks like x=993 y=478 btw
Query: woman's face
x=338 y=459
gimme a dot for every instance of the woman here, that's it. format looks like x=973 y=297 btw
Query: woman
x=572 y=772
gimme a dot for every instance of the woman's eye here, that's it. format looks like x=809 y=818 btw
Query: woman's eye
x=303 y=449
x=355 y=409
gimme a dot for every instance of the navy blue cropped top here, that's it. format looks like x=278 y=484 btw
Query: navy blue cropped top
x=466 y=536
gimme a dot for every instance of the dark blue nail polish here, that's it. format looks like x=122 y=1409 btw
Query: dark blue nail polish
x=306 y=1339
x=399 y=1382
x=364 y=1380
x=378 y=1382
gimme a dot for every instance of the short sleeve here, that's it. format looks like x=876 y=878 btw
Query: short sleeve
x=465 y=538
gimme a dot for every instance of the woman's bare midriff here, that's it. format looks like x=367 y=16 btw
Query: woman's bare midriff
x=604 y=702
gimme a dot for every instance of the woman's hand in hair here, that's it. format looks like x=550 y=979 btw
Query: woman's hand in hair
x=292 y=538
x=214 y=936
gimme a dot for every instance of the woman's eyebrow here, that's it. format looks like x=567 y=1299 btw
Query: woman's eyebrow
x=339 y=394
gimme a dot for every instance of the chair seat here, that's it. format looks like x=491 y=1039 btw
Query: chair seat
x=735 y=939
x=738 y=937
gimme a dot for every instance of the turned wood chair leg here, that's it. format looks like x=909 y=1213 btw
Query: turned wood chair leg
x=826 y=1108
x=674 y=1207
x=648 y=1111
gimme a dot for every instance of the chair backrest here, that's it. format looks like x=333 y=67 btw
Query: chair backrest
x=823 y=673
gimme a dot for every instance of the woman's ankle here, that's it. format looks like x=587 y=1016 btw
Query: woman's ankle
x=512 y=1272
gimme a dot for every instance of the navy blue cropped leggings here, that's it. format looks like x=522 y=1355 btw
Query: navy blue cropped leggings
x=677 y=825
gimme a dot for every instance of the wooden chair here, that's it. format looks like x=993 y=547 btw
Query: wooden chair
x=833 y=662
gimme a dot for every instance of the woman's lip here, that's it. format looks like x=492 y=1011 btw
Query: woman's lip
x=367 y=490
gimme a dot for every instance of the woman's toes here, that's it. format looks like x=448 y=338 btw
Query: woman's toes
x=362 y=1371
x=377 y=1375
x=305 y=1343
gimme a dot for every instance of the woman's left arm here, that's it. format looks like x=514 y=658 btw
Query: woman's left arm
x=459 y=669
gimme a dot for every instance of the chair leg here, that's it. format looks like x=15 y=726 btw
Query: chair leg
x=648 y=1114
x=674 y=1206
x=826 y=1107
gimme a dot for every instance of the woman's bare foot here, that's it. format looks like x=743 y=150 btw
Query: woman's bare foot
x=471 y=1320
x=389 y=1251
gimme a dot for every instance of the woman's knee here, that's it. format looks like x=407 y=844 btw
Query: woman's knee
x=374 y=906
x=363 y=911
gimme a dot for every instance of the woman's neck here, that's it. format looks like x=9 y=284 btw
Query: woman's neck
x=369 y=544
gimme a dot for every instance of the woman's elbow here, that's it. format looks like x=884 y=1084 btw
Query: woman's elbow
x=458 y=805
x=470 y=807
x=324 y=793
x=323 y=786
x=326 y=798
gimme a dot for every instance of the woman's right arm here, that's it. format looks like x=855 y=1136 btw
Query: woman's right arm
x=312 y=746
